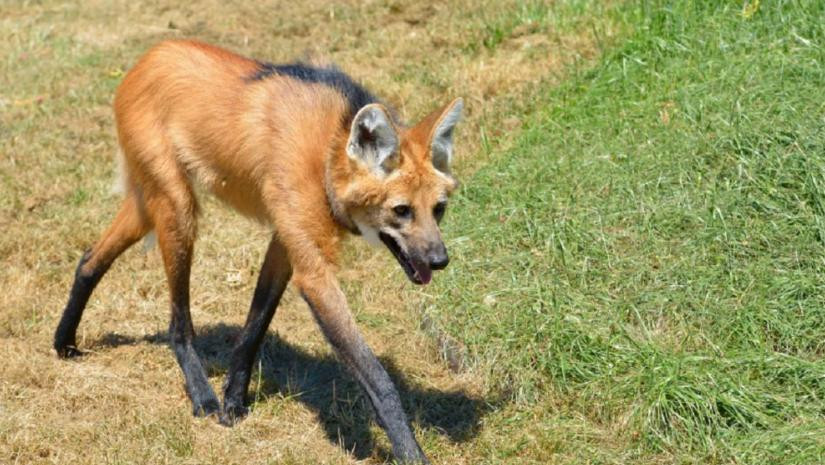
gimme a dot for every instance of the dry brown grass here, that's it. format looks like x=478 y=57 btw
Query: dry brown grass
x=125 y=403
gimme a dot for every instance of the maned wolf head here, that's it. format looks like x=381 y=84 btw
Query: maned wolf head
x=398 y=183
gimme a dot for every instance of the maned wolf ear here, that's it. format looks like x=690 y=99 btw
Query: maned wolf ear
x=373 y=140
x=441 y=144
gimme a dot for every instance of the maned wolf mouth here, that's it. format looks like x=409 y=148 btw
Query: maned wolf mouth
x=302 y=148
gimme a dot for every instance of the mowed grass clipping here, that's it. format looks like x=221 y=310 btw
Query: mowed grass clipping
x=650 y=255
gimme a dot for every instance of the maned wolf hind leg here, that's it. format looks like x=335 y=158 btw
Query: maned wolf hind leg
x=275 y=274
x=129 y=226
x=173 y=215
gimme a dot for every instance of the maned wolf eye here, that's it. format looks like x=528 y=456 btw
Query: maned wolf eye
x=404 y=211
x=439 y=209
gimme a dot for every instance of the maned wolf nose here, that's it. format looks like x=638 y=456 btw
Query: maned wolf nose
x=438 y=257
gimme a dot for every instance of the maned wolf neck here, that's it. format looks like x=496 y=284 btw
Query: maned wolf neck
x=356 y=95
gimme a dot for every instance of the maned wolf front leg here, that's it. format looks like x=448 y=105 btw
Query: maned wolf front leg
x=275 y=274
x=329 y=306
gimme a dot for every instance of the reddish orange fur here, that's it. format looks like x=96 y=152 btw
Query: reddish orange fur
x=185 y=112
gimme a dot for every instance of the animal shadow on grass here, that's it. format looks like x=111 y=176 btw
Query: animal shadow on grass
x=323 y=384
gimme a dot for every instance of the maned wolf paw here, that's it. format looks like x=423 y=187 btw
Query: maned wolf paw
x=233 y=413
x=206 y=407
x=68 y=351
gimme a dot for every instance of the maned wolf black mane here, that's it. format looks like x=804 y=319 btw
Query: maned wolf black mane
x=331 y=76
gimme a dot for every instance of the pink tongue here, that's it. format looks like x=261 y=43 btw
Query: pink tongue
x=425 y=274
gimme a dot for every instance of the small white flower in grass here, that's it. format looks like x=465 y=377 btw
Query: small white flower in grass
x=233 y=277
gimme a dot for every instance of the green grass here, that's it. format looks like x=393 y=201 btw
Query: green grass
x=649 y=255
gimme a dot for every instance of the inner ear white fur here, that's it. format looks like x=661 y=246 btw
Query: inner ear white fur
x=441 y=146
x=373 y=140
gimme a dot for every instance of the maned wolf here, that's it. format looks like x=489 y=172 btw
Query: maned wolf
x=303 y=148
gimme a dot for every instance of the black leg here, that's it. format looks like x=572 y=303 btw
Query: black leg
x=329 y=307
x=176 y=235
x=84 y=283
x=275 y=274
x=127 y=228
x=181 y=333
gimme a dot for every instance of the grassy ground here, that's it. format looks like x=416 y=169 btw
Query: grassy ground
x=646 y=263
x=637 y=256
x=59 y=65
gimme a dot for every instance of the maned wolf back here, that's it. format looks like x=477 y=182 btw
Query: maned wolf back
x=357 y=96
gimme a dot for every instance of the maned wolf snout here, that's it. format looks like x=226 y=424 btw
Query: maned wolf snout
x=304 y=149
x=438 y=257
